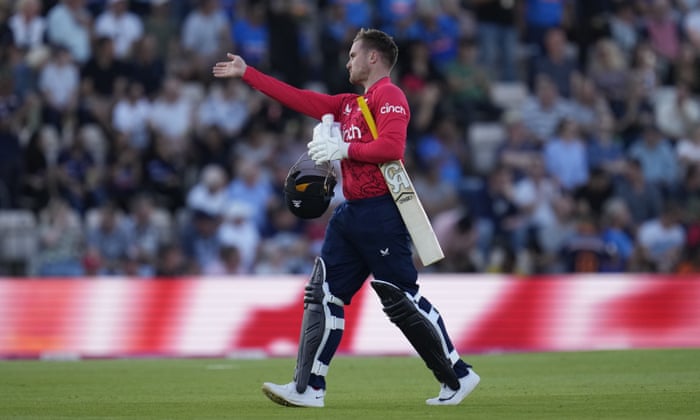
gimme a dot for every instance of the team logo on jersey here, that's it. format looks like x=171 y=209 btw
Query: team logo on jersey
x=388 y=108
x=352 y=133
x=348 y=109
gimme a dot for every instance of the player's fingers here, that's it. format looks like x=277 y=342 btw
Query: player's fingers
x=231 y=56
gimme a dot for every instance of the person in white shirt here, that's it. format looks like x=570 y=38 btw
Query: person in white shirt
x=124 y=27
x=131 y=114
x=660 y=241
x=27 y=25
x=172 y=114
x=238 y=230
x=69 y=24
x=688 y=148
x=59 y=84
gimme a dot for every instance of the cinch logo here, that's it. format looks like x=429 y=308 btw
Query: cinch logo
x=387 y=108
x=351 y=133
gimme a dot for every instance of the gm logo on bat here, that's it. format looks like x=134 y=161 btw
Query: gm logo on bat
x=398 y=181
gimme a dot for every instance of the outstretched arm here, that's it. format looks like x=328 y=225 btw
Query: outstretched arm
x=308 y=102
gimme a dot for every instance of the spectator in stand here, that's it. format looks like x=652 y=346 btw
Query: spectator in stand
x=661 y=27
x=251 y=35
x=28 y=25
x=542 y=15
x=445 y=149
x=535 y=195
x=10 y=164
x=617 y=235
x=688 y=149
x=337 y=31
x=660 y=242
x=172 y=115
x=643 y=198
x=103 y=80
x=145 y=236
x=205 y=35
x=565 y=156
x=608 y=68
x=622 y=25
x=131 y=114
x=227 y=106
x=637 y=109
x=686 y=69
x=124 y=172
x=252 y=185
x=59 y=86
x=440 y=32
x=397 y=18
x=592 y=196
x=125 y=28
x=60 y=241
x=200 y=241
x=69 y=24
x=555 y=62
x=38 y=179
x=423 y=84
x=587 y=104
x=79 y=179
x=658 y=160
x=160 y=25
x=498 y=37
x=163 y=174
x=547 y=241
x=469 y=86
x=108 y=238
x=456 y=232
x=172 y=262
x=209 y=194
x=677 y=112
x=146 y=66
x=210 y=147
x=238 y=231
x=585 y=250
x=604 y=148
x=518 y=151
x=543 y=110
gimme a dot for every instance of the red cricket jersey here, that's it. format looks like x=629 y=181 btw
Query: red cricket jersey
x=388 y=104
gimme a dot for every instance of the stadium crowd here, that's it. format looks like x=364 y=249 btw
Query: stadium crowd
x=132 y=160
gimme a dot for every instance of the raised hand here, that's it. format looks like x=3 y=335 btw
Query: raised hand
x=234 y=68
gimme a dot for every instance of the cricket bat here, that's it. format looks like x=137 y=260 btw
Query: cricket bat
x=407 y=201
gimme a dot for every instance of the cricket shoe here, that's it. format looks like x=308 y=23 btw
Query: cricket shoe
x=287 y=395
x=449 y=396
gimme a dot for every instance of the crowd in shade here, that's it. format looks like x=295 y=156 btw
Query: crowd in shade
x=132 y=160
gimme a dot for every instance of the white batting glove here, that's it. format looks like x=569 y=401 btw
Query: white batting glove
x=327 y=143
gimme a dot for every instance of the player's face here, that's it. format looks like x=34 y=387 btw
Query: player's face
x=358 y=66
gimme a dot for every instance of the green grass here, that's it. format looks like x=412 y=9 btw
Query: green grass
x=645 y=384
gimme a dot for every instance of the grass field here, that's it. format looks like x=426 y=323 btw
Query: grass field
x=641 y=384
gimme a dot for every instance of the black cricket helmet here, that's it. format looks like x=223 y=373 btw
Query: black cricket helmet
x=308 y=188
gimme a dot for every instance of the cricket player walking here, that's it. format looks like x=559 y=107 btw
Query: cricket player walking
x=366 y=234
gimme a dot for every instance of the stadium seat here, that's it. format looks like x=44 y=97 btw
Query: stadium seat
x=18 y=236
x=484 y=140
x=509 y=95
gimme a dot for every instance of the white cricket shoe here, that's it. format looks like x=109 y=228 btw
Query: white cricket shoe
x=287 y=395
x=449 y=396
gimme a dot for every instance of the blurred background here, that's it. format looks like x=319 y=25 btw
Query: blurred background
x=546 y=136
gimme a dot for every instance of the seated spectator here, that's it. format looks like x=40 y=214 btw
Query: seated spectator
x=604 y=149
x=251 y=185
x=659 y=163
x=547 y=241
x=238 y=231
x=60 y=241
x=677 y=113
x=543 y=110
x=69 y=24
x=519 y=150
x=440 y=32
x=555 y=62
x=79 y=179
x=172 y=115
x=205 y=36
x=163 y=174
x=587 y=104
x=565 y=156
x=227 y=107
x=688 y=149
x=39 y=169
x=444 y=148
x=146 y=237
x=59 y=86
x=251 y=35
x=608 y=70
x=131 y=114
x=536 y=194
x=28 y=25
x=423 y=83
x=592 y=196
x=643 y=198
x=660 y=242
x=209 y=194
x=124 y=172
x=117 y=22
x=109 y=239
x=147 y=67
x=617 y=235
x=469 y=86
x=200 y=241
x=585 y=250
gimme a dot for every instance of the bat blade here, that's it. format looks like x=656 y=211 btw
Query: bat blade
x=412 y=212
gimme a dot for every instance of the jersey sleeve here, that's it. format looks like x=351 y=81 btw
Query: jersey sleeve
x=389 y=108
x=308 y=102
